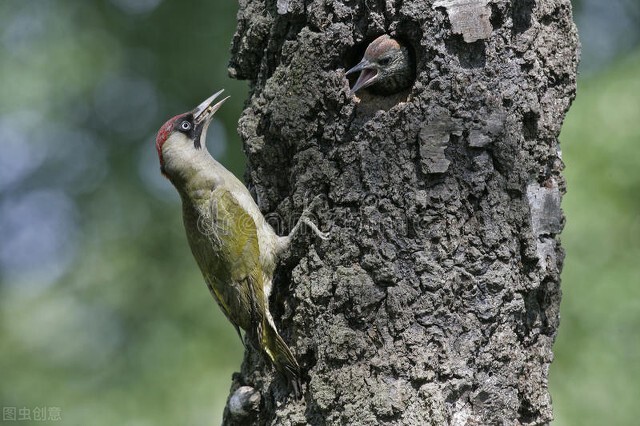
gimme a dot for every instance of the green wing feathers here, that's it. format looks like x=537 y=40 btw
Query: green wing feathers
x=239 y=237
x=245 y=303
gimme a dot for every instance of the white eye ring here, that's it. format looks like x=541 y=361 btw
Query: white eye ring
x=185 y=125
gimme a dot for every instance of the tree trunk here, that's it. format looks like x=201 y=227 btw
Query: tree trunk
x=436 y=299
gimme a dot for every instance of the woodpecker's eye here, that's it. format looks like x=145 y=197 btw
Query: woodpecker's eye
x=384 y=61
x=185 y=125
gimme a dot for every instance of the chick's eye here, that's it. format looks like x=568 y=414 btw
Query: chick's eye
x=384 y=61
x=185 y=125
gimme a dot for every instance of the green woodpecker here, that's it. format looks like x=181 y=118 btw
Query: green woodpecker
x=234 y=246
x=386 y=67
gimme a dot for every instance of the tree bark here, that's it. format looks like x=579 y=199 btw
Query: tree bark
x=436 y=299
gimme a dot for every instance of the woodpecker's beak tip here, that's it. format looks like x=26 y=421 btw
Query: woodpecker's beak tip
x=207 y=109
x=367 y=77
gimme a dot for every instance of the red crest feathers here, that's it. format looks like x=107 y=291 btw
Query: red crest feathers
x=163 y=135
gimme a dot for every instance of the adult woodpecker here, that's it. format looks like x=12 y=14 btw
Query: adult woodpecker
x=234 y=246
x=386 y=67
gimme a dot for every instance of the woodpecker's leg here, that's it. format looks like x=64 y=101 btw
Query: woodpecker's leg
x=285 y=242
x=305 y=220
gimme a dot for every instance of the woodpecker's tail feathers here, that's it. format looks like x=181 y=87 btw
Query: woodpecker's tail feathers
x=282 y=358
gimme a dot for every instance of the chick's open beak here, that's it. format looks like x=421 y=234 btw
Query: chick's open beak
x=368 y=75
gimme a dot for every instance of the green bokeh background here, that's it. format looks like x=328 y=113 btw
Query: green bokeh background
x=102 y=309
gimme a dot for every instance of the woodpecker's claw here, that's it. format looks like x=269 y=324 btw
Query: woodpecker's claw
x=314 y=228
x=304 y=218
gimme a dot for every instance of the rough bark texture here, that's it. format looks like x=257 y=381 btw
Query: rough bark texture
x=436 y=299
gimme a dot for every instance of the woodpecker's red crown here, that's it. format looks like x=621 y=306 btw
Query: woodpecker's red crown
x=164 y=133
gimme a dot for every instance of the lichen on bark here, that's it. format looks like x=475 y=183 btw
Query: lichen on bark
x=436 y=299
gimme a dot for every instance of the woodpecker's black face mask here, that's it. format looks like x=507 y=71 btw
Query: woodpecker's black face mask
x=188 y=126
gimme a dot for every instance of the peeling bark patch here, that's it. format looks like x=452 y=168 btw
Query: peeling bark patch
x=478 y=139
x=546 y=252
x=434 y=139
x=492 y=127
x=546 y=214
x=471 y=18
x=546 y=220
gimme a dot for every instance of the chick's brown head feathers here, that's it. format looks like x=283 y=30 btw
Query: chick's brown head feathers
x=385 y=68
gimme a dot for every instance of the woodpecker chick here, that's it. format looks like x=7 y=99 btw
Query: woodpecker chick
x=386 y=67
x=232 y=243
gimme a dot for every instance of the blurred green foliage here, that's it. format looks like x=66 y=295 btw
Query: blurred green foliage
x=103 y=312
x=595 y=378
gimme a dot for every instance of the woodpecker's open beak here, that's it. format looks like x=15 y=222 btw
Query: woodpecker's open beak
x=205 y=110
x=368 y=75
x=203 y=114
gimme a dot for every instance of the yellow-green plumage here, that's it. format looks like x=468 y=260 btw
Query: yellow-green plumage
x=224 y=241
x=234 y=246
